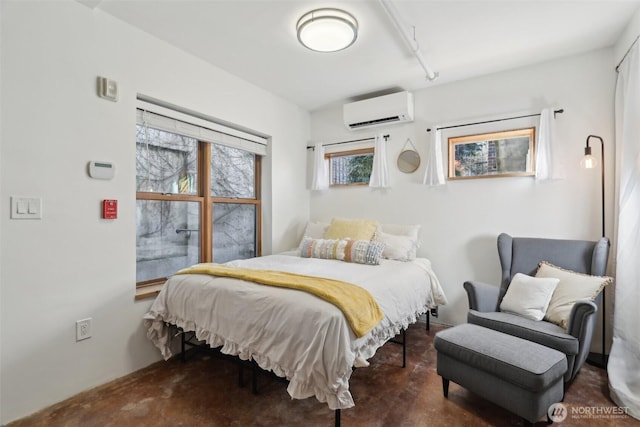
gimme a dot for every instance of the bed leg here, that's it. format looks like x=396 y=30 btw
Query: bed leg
x=240 y=374
x=337 y=418
x=183 y=355
x=428 y=314
x=254 y=380
x=404 y=348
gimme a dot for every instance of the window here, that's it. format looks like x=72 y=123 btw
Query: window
x=197 y=200
x=350 y=167
x=506 y=153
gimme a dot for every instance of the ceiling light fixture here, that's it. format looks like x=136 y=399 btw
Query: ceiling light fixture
x=327 y=30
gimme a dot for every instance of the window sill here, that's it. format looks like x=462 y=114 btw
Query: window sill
x=149 y=291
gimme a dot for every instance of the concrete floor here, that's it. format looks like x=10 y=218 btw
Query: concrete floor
x=205 y=392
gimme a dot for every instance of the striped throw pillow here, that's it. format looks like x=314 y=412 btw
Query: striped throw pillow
x=358 y=251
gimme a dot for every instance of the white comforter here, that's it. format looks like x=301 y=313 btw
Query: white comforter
x=295 y=334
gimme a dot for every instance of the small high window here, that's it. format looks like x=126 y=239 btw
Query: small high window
x=350 y=167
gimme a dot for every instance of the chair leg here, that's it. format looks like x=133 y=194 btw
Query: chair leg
x=445 y=387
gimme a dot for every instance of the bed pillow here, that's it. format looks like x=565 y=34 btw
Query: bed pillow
x=321 y=248
x=399 y=248
x=528 y=296
x=401 y=241
x=358 y=251
x=363 y=252
x=355 y=229
x=573 y=287
x=316 y=230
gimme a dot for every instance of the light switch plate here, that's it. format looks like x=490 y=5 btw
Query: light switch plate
x=26 y=207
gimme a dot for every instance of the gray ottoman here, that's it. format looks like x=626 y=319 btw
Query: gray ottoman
x=518 y=375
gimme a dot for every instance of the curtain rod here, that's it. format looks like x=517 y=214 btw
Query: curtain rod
x=627 y=52
x=560 y=111
x=386 y=137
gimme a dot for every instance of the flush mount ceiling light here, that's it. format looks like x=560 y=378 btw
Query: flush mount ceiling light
x=327 y=30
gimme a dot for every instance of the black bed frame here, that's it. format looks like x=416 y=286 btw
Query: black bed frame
x=256 y=370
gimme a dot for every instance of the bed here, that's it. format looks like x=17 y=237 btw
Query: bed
x=292 y=333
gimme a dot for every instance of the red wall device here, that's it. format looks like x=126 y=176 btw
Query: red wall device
x=110 y=209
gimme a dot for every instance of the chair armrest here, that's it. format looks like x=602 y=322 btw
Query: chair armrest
x=579 y=319
x=482 y=296
x=582 y=321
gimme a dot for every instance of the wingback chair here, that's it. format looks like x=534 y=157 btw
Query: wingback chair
x=522 y=255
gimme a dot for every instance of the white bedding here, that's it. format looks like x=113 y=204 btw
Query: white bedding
x=295 y=334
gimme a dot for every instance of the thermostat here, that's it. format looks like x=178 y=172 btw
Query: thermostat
x=101 y=170
x=107 y=89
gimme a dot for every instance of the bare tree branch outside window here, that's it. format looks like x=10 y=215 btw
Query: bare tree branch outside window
x=170 y=203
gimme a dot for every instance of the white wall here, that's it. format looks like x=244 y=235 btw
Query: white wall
x=71 y=264
x=629 y=35
x=461 y=220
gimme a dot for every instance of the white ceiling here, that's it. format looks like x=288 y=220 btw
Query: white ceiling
x=256 y=40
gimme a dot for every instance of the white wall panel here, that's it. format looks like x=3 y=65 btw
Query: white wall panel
x=71 y=264
x=461 y=220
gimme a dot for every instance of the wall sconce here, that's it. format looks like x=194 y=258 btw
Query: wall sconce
x=590 y=162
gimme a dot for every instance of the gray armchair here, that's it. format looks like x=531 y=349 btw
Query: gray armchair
x=522 y=255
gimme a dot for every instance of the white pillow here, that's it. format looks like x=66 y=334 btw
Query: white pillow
x=316 y=230
x=573 y=287
x=528 y=296
x=400 y=248
x=401 y=241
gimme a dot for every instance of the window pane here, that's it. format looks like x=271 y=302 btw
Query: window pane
x=167 y=237
x=234 y=231
x=165 y=162
x=232 y=172
x=350 y=169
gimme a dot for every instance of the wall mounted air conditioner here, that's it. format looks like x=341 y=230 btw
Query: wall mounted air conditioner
x=382 y=110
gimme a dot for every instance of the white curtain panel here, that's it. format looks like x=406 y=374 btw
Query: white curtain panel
x=320 y=172
x=379 y=172
x=434 y=172
x=544 y=160
x=624 y=360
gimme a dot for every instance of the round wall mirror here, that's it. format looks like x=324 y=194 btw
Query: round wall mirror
x=408 y=161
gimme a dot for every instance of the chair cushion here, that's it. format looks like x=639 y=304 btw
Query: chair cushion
x=541 y=332
x=526 y=364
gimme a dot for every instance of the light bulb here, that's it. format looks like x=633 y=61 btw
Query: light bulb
x=588 y=162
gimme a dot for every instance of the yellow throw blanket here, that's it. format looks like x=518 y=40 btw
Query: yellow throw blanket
x=360 y=309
